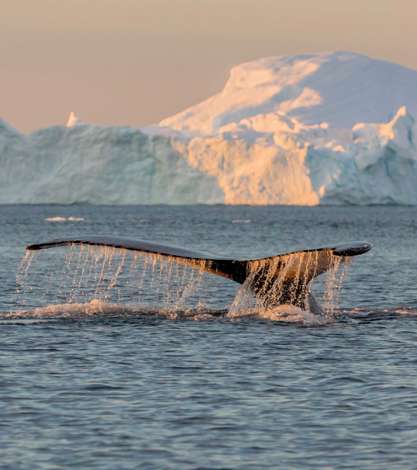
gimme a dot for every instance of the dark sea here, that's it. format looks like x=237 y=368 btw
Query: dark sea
x=109 y=360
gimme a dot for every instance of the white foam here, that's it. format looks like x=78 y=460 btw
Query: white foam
x=292 y=314
x=98 y=307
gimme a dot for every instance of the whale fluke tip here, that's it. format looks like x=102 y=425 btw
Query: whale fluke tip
x=352 y=249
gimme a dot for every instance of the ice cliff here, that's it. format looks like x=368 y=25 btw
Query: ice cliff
x=330 y=128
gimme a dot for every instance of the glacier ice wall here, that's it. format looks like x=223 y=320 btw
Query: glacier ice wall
x=334 y=128
x=99 y=165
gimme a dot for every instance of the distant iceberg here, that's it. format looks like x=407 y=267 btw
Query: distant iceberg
x=330 y=128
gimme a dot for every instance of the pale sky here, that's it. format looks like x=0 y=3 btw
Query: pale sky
x=134 y=62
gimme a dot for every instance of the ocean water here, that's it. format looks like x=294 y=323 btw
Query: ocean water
x=112 y=362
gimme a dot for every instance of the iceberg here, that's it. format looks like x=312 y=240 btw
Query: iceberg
x=328 y=128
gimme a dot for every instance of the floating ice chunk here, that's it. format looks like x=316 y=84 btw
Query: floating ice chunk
x=64 y=219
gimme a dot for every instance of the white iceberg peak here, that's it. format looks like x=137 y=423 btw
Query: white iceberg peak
x=73 y=120
x=340 y=88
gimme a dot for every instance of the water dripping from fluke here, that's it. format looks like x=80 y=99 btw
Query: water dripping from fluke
x=170 y=279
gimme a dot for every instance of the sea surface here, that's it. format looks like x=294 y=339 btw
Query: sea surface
x=108 y=361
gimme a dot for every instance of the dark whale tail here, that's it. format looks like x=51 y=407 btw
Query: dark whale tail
x=276 y=280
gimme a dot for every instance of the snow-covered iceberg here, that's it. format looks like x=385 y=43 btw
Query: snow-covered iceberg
x=330 y=128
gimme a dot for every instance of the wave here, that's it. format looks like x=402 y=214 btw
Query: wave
x=285 y=314
x=368 y=314
x=97 y=307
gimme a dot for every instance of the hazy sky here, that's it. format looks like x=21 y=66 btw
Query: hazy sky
x=137 y=61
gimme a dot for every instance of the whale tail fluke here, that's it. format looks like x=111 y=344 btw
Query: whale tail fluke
x=276 y=280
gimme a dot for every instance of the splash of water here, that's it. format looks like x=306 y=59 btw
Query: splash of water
x=288 y=280
x=112 y=274
x=22 y=271
x=109 y=273
x=335 y=277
